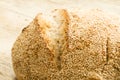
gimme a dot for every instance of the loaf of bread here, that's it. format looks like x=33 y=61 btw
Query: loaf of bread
x=64 y=45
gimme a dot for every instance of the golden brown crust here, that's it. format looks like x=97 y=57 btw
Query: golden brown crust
x=79 y=46
x=27 y=54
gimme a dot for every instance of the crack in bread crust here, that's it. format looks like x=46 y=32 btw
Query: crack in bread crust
x=62 y=41
x=58 y=43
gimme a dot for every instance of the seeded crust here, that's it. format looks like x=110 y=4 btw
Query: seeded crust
x=69 y=46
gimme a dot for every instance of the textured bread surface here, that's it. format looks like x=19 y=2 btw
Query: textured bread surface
x=64 y=45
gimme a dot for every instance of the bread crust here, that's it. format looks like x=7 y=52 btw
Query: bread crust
x=30 y=51
x=73 y=46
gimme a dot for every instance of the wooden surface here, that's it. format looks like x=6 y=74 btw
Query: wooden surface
x=16 y=14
